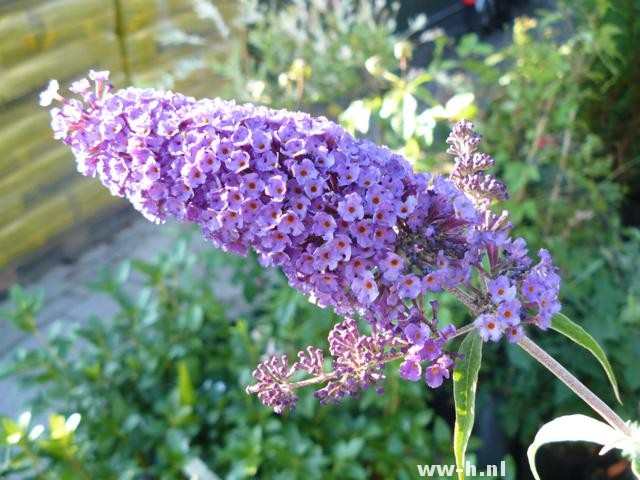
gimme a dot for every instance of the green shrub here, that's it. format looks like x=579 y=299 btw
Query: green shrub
x=159 y=388
x=415 y=107
x=534 y=100
x=566 y=195
x=613 y=82
x=311 y=54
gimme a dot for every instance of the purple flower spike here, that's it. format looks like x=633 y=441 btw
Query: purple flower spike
x=350 y=224
x=359 y=362
x=514 y=333
x=409 y=286
x=468 y=174
x=272 y=387
x=364 y=286
x=430 y=350
x=50 y=94
x=312 y=362
x=284 y=184
x=509 y=312
x=350 y=209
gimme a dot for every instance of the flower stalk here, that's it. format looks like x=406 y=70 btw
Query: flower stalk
x=575 y=385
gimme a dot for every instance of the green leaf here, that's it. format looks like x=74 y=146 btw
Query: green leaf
x=465 y=381
x=424 y=77
x=122 y=272
x=441 y=431
x=196 y=468
x=72 y=422
x=185 y=386
x=151 y=271
x=460 y=106
x=57 y=426
x=357 y=117
x=346 y=450
x=24 y=420
x=579 y=335
x=574 y=428
x=11 y=432
x=470 y=44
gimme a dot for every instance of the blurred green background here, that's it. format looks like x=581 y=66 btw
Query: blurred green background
x=156 y=390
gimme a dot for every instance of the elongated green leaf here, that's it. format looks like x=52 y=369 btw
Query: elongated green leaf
x=196 y=468
x=185 y=387
x=579 y=335
x=465 y=380
x=574 y=428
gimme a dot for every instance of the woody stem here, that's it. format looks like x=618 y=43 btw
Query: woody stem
x=575 y=385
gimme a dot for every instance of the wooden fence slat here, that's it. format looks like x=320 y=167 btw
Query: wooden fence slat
x=23 y=138
x=80 y=202
x=10 y=6
x=182 y=35
x=27 y=186
x=138 y=14
x=30 y=77
x=30 y=31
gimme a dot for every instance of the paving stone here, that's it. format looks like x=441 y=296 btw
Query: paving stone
x=57 y=279
x=99 y=305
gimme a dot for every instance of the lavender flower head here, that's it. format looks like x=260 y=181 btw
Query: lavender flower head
x=349 y=223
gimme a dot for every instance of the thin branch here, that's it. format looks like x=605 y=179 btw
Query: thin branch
x=562 y=166
x=465 y=298
x=576 y=385
x=463 y=330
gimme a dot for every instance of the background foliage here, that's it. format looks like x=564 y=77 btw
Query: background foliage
x=557 y=105
x=160 y=387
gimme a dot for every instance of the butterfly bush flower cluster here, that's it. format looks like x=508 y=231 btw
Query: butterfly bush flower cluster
x=516 y=293
x=350 y=224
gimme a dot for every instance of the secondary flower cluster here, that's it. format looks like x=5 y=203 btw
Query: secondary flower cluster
x=469 y=173
x=349 y=223
x=516 y=294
